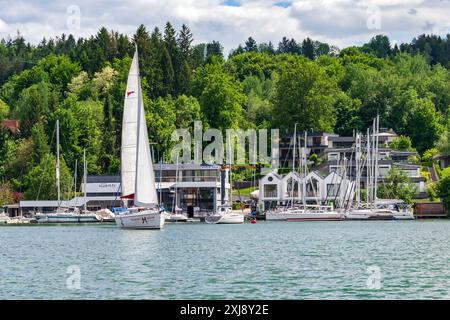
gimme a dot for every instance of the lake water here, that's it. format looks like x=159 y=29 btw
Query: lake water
x=267 y=260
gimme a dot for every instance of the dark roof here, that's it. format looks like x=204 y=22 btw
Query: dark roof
x=402 y=152
x=103 y=179
x=407 y=165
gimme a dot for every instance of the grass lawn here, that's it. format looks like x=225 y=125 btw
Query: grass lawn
x=244 y=192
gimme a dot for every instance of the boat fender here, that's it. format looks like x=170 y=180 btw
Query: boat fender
x=253 y=221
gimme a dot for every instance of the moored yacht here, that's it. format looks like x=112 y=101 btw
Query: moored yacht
x=225 y=215
x=311 y=213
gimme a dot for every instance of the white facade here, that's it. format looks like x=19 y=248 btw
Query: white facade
x=288 y=188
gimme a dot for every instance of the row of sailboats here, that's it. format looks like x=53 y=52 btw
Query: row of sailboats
x=373 y=208
x=303 y=211
x=64 y=215
x=350 y=206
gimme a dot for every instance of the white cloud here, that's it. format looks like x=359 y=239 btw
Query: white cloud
x=339 y=22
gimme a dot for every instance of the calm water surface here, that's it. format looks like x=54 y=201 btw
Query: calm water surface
x=267 y=260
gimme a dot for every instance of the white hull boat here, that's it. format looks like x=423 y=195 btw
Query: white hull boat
x=225 y=216
x=369 y=214
x=176 y=217
x=300 y=214
x=67 y=218
x=145 y=219
x=4 y=218
x=400 y=213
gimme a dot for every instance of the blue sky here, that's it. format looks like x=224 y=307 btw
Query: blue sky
x=338 y=22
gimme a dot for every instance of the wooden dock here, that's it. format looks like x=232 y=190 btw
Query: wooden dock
x=429 y=210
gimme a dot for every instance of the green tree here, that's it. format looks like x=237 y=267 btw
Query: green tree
x=347 y=115
x=251 y=45
x=423 y=123
x=443 y=189
x=161 y=119
x=6 y=194
x=443 y=144
x=40 y=143
x=187 y=111
x=41 y=180
x=402 y=143
x=379 y=46
x=305 y=95
x=4 y=110
x=108 y=156
x=397 y=185
x=221 y=98
x=308 y=49
x=34 y=106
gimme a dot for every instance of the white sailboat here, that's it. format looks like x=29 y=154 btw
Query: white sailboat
x=374 y=209
x=225 y=214
x=138 y=180
x=177 y=213
x=302 y=212
x=64 y=215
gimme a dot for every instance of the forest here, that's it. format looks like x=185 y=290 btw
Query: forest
x=321 y=87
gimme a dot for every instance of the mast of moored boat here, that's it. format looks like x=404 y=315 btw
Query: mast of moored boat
x=84 y=178
x=57 y=165
x=377 y=131
x=293 y=164
x=303 y=161
x=358 y=171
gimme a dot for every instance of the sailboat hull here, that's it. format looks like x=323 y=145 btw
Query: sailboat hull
x=303 y=215
x=67 y=218
x=146 y=219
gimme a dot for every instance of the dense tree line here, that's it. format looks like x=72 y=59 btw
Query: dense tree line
x=82 y=81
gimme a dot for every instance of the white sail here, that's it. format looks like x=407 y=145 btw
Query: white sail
x=129 y=130
x=145 y=188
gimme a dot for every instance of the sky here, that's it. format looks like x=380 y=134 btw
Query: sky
x=338 y=22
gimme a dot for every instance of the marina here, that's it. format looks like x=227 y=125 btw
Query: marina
x=266 y=260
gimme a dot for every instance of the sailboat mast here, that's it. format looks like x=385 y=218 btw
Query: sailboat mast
x=368 y=167
x=139 y=115
x=293 y=164
x=58 y=183
x=373 y=161
x=75 y=180
x=304 y=173
x=377 y=131
x=176 y=188
x=160 y=179
x=84 y=177
x=357 y=160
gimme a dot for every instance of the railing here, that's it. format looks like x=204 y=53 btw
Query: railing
x=187 y=179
